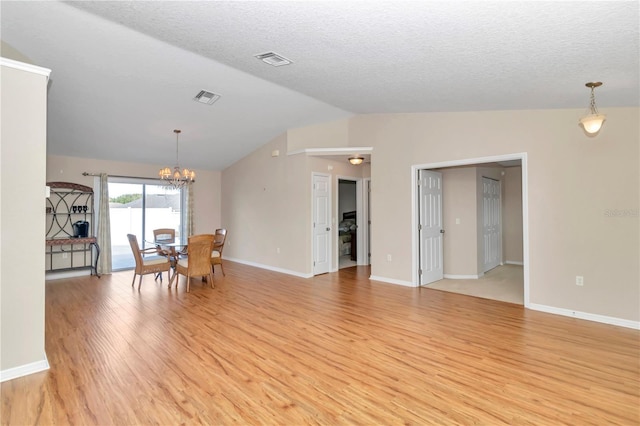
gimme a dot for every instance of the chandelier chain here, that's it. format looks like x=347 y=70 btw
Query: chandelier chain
x=594 y=110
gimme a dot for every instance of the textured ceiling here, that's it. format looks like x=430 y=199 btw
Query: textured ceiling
x=124 y=73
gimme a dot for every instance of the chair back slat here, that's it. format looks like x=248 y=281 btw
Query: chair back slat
x=135 y=248
x=200 y=247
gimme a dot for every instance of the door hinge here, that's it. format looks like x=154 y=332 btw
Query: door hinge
x=419 y=271
x=420 y=227
x=314 y=263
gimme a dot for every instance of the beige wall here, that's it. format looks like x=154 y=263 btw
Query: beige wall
x=9 y=52
x=574 y=183
x=207 y=192
x=459 y=202
x=573 y=225
x=463 y=200
x=22 y=218
x=334 y=134
x=266 y=205
x=512 y=216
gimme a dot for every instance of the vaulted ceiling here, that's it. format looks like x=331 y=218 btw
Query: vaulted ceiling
x=124 y=74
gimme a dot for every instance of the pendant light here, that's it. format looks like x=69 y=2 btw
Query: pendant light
x=592 y=122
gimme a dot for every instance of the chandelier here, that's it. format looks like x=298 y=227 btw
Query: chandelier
x=177 y=178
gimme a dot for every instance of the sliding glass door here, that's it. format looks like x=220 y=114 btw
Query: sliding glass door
x=138 y=207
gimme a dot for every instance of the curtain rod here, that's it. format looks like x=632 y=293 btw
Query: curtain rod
x=118 y=176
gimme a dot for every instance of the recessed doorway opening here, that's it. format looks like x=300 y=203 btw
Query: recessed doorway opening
x=469 y=262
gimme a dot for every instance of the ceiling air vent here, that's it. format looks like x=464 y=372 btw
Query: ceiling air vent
x=273 y=59
x=205 y=97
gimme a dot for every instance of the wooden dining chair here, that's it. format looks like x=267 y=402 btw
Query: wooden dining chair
x=218 y=244
x=167 y=236
x=198 y=263
x=147 y=265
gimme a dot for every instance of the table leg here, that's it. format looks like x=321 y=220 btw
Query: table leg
x=94 y=267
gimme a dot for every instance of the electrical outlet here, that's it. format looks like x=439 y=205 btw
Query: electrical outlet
x=278 y=250
x=579 y=280
x=388 y=258
x=65 y=255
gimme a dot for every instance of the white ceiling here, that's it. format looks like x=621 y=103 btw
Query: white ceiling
x=124 y=73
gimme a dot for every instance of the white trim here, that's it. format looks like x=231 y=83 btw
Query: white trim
x=586 y=316
x=269 y=268
x=25 y=67
x=513 y=262
x=333 y=151
x=392 y=281
x=24 y=370
x=67 y=274
x=366 y=218
x=461 y=277
x=522 y=156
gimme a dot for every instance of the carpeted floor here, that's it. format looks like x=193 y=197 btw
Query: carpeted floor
x=505 y=283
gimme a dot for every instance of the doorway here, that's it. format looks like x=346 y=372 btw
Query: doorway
x=138 y=207
x=347 y=241
x=519 y=159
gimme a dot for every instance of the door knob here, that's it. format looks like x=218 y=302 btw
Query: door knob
x=328 y=229
x=442 y=231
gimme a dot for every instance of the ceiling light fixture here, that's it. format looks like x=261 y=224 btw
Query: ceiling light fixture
x=356 y=160
x=177 y=178
x=592 y=122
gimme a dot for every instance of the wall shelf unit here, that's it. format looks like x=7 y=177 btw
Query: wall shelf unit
x=70 y=243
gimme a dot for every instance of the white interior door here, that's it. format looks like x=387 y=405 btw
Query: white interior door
x=430 y=226
x=321 y=224
x=492 y=223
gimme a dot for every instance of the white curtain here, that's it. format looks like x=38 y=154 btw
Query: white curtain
x=104 y=227
x=188 y=219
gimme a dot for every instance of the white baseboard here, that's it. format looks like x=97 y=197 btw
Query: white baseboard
x=24 y=370
x=66 y=274
x=461 y=277
x=513 y=262
x=270 y=268
x=585 y=316
x=392 y=281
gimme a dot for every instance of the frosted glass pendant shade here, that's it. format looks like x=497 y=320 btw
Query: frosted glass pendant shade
x=592 y=122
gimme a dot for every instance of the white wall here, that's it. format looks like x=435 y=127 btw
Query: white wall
x=22 y=220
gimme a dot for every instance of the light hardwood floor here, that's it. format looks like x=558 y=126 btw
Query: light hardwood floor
x=267 y=348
